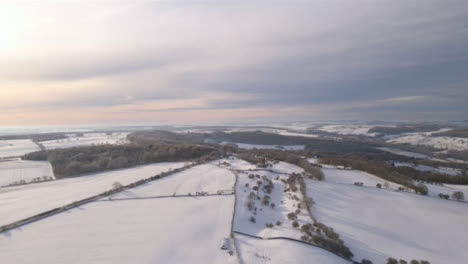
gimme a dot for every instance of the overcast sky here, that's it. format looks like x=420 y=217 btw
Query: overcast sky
x=114 y=61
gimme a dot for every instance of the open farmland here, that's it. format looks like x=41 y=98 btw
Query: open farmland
x=280 y=251
x=86 y=139
x=20 y=202
x=17 y=147
x=17 y=171
x=169 y=230
x=207 y=178
x=377 y=224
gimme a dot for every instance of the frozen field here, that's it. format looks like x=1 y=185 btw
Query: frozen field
x=442 y=170
x=207 y=178
x=283 y=251
x=348 y=129
x=16 y=148
x=451 y=143
x=168 y=230
x=334 y=175
x=257 y=146
x=87 y=139
x=14 y=171
x=449 y=189
x=20 y=202
x=377 y=224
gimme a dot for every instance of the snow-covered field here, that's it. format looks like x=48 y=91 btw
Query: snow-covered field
x=451 y=143
x=168 y=230
x=16 y=170
x=207 y=178
x=20 y=202
x=282 y=251
x=87 y=139
x=435 y=190
x=442 y=170
x=258 y=146
x=349 y=129
x=16 y=148
x=410 y=154
x=377 y=224
x=334 y=175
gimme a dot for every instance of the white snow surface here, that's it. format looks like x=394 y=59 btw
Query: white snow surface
x=16 y=148
x=14 y=171
x=266 y=214
x=258 y=146
x=452 y=143
x=420 y=167
x=334 y=175
x=349 y=129
x=207 y=178
x=282 y=251
x=87 y=139
x=284 y=167
x=168 y=230
x=20 y=202
x=377 y=224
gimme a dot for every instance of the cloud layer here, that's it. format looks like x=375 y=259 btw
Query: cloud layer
x=70 y=62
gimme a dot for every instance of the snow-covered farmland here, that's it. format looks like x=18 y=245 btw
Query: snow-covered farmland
x=334 y=175
x=168 y=230
x=282 y=251
x=87 y=139
x=377 y=224
x=447 y=189
x=349 y=129
x=442 y=170
x=410 y=154
x=451 y=143
x=266 y=213
x=257 y=146
x=20 y=202
x=16 y=148
x=16 y=171
x=207 y=178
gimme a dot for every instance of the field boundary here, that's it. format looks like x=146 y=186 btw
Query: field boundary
x=75 y=204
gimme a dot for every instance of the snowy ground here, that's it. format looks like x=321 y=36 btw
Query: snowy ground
x=16 y=170
x=377 y=224
x=410 y=154
x=334 y=175
x=349 y=129
x=257 y=146
x=16 y=148
x=207 y=178
x=20 y=202
x=452 y=143
x=87 y=139
x=442 y=170
x=449 y=189
x=168 y=230
x=282 y=251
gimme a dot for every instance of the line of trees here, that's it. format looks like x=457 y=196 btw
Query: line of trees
x=80 y=160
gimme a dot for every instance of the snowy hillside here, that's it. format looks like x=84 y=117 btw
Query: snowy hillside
x=377 y=224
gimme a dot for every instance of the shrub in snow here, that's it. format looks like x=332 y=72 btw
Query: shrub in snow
x=378 y=185
x=414 y=261
x=292 y=216
x=278 y=223
x=459 y=196
x=252 y=219
x=366 y=261
x=295 y=224
x=392 y=261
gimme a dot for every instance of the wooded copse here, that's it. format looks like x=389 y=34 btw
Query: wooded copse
x=80 y=160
